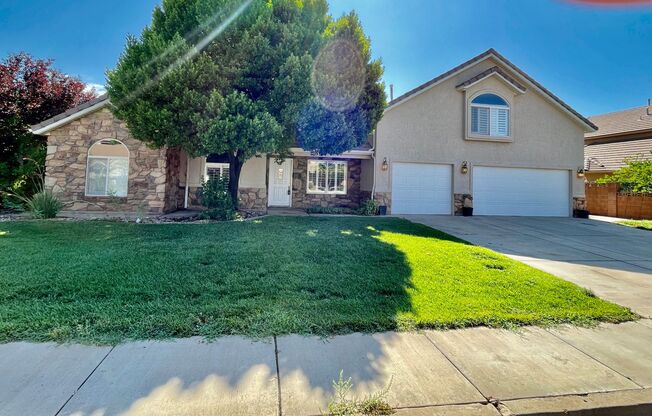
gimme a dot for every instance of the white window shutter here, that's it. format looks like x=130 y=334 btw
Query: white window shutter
x=480 y=120
x=500 y=122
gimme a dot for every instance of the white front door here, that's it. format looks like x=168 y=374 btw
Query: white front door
x=280 y=183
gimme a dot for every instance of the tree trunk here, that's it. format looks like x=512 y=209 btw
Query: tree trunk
x=235 y=167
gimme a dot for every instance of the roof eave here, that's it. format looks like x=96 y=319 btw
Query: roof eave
x=51 y=124
x=620 y=134
x=517 y=88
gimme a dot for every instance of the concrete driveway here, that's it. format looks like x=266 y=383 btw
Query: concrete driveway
x=613 y=261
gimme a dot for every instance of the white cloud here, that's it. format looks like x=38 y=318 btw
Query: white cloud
x=99 y=88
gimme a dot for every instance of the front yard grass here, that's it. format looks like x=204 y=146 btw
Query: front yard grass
x=104 y=282
x=642 y=224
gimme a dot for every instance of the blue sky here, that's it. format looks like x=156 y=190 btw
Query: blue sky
x=598 y=59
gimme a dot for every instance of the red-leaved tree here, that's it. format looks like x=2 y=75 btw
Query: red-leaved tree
x=30 y=91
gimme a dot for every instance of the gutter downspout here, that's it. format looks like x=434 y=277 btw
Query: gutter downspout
x=185 y=202
x=373 y=175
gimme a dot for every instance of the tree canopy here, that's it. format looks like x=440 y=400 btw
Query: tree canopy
x=241 y=78
x=31 y=91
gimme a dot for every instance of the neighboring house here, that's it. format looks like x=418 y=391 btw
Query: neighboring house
x=484 y=134
x=621 y=135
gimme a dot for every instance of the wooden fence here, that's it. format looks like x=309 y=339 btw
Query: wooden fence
x=609 y=201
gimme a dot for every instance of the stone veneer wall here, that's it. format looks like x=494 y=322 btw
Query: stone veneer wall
x=302 y=199
x=252 y=199
x=65 y=167
x=249 y=199
x=460 y=201
x=384 y=199
x=579 y=202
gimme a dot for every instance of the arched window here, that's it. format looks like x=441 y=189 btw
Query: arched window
x=107 y=171
x=489 y=116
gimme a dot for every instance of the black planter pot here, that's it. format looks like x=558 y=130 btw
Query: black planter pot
x=580 y=213
x=382 y=210
x=467 y=211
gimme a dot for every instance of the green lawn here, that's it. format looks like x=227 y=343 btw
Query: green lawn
x=642 y=224
x=104 y=282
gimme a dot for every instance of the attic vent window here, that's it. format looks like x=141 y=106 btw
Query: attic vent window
x=489 y=116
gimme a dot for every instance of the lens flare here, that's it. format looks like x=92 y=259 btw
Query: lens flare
x=192 y=52
x=338 y=75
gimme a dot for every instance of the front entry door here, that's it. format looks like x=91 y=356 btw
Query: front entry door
x=280 y=183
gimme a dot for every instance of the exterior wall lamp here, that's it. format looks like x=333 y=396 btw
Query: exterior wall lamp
x=385 y=166
x=465 y=168
x=580 y=172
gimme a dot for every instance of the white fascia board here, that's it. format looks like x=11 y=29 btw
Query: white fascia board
x=71 y=118
x=351 y=154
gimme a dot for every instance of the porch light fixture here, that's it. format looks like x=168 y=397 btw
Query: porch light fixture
x=385 y=166
x=465 y=168
x=580 y=172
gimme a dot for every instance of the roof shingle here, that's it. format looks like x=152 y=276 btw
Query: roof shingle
x=637 y=119
x=608 y=157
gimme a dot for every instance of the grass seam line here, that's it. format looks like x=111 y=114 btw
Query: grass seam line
x=278 y=378
x=488 y=401
x=84 y=382
x=593 y=358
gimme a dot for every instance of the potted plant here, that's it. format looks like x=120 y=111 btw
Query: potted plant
x=467 y=209
x=581 y=213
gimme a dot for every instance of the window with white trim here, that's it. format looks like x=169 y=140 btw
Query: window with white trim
x=107 y=169
x=327 y=177
x=216 y=170
x=489 y=116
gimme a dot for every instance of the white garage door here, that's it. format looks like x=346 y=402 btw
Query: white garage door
x=520 y=192
x=419 y=188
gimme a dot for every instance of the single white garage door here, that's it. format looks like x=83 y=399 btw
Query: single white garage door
x=420 y=188
x=521 y=192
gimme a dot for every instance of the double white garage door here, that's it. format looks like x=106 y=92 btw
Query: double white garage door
x=420 y=188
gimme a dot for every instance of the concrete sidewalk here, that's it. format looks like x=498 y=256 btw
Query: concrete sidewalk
x=477 y=371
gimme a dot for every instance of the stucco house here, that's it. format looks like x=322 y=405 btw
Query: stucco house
x=483 y=134
x=621 y=135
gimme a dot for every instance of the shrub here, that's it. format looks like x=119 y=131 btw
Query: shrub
x=43 y=205
x=369 y=208
x=636 y=177
x=216 y=198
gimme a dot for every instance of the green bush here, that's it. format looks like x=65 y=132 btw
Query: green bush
x=369 y=208
x=636 y=177
x=216 y=198
x=43 y=205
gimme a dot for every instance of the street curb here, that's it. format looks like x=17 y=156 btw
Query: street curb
x=616 y=403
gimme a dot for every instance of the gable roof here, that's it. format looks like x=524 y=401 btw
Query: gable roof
x=608 y=157
x=492 y=53
x=634 y=120
x=494 y=70
x=71 y=115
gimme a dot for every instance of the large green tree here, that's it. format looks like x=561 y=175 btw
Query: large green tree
x=245 y=77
